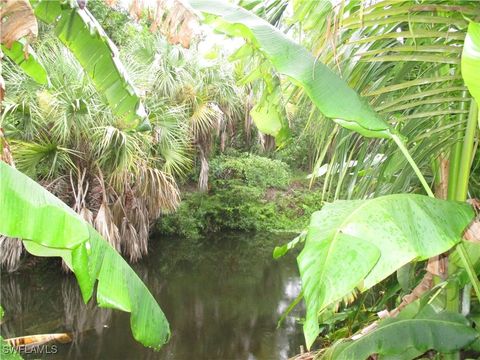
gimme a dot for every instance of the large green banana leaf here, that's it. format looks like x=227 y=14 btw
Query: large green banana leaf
x=29 y=62
x=356 y=244
x=85 y=38
x=331 y=94
x=471 y=60
x=51 y=228
x=407 y=337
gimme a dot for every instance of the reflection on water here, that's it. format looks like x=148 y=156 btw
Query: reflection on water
x=222 y=296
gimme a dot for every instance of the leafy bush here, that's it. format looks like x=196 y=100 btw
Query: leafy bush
x=238 y=207
x=252 y=170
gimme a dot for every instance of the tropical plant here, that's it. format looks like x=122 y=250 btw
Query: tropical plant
x=66 y=134
x=48 y=227
x=335 y=233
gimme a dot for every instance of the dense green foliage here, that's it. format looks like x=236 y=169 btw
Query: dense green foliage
x=402 y=74
x=389 y=80
x=250 y=170
x=357 y=244
x=248 y=193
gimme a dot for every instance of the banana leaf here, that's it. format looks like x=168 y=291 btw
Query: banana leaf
x=407 y=337
x=356 y=244
x=330 y=93
x=27 y=60
x=49 y=227
x=97 y=54
x=471 y=60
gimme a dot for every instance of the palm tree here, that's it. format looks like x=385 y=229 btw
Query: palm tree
x=66 y=137
x=404 y=58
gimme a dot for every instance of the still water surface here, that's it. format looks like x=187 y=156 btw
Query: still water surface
x=223 y=297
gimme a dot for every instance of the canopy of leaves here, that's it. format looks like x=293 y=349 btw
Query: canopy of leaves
x=327 y=90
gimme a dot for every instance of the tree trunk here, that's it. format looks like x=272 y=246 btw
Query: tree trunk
x=204 y=167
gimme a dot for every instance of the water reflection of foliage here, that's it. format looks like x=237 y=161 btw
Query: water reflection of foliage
x=35 y=304
x=228 y=285
x=223 y=297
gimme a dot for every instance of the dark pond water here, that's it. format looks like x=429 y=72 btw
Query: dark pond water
x=223 y=297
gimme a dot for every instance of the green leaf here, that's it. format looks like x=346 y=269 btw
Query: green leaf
x=409 y=337
x=7 y=352
x=29 y=63
x=331 y=94
x=280 y=251
x=50 y=228
x=471 y=60
x=356 y=244
x=97 y=54
x=269 y=118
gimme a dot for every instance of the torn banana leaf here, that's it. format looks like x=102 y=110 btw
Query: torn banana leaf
x=97 y=54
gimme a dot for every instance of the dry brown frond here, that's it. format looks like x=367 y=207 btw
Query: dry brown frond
x=10 y=252
x=105 y=225
x=176 y=20
x=17 y=21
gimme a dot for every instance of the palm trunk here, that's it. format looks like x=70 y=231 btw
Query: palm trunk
x=204 y=167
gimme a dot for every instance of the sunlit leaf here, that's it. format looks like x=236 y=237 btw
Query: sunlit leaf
x=50 y=228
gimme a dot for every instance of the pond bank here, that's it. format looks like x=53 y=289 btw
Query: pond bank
x=246 y=193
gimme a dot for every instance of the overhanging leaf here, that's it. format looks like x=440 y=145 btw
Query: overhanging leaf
x=409 y=337
x=356 y=244
x=471 y=60
x=50 y=228
x=27 y=60
x=331 y=94
x=86 y=39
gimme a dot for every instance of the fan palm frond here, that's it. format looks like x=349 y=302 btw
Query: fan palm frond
x=404 y=58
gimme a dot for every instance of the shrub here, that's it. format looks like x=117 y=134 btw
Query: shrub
x=250 y=169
